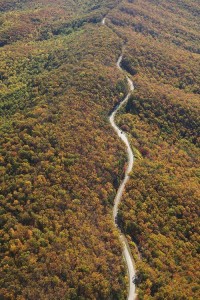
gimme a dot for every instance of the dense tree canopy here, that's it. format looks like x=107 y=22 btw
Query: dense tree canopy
x=160 y=207
x=61 y=163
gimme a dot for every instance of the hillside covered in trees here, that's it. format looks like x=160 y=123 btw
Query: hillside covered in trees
x=61 y=162
x=160 y=207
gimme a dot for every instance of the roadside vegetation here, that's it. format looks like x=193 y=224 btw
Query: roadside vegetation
x=61 y=162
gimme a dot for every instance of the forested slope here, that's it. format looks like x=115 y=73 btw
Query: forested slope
x=160 y=208
x=61 y=162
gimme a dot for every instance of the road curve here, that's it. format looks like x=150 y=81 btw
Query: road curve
x=103 y=22
x=126 y=250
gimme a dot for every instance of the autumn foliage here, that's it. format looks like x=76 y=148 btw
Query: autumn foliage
x=61 y=162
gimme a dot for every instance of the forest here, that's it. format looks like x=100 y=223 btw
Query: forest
x=61 y=162
x=160 y=209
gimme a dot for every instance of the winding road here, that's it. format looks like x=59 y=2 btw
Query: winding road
x=126 y=250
